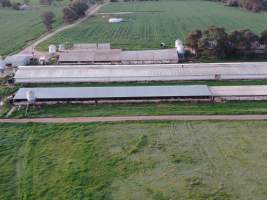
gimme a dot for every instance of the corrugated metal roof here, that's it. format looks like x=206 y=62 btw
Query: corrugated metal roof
x=114 y=92
x=85 y=46
x=97 y=55
x=156 y=72
x=105 y=54
x=17 y=60
x=103 y=45
x=149 y=55
x=246 y=90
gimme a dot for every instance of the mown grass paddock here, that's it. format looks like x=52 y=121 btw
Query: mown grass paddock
x=147 y=24
x=19 y=27
x=144 y=109
x=141 y=160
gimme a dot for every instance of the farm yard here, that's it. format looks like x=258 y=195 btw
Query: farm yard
x=19 y=27
x=147 y=24
x=140 y=160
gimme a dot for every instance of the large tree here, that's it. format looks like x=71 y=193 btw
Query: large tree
x=74 y=10
x=192 y=40
x=48 y=18
x=243 y=40
x=46 y=2
x=263 y=37
x=214 y=42
x=253 y=5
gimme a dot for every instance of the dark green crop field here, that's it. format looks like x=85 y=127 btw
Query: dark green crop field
x=147 y=24
x=144 y=160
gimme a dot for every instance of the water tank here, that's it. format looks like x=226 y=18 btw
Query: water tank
x=179 y=46
x=61 y=47
x=30 y=96
x=115 y=20
x=52 y=49
x=2 y=65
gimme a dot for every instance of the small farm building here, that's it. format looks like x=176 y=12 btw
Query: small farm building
x=116 y=56
x=233 y=93
x=18 y=60
x=115 y=20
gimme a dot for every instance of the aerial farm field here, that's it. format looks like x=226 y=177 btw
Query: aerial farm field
x=147 y=24
x=19 y=27
x=144 y=109
x=141 y=160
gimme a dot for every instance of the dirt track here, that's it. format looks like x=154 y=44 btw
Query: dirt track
x=137 y=118
x=31 y=47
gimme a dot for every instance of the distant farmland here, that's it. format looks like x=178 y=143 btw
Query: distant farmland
x=151 y=23
x=19 y=27
x=141 y=160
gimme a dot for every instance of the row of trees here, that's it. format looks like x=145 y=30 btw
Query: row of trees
x=252 y=5
x=8 y=3
x=215 y=42
x=71 y=12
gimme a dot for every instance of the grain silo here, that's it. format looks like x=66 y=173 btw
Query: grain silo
x=2 y=65
x=180 y=48
x=30 y=96
x=52 y=49
x=61 y=47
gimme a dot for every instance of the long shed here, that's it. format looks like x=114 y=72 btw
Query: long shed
x=135 y=93
x=124 y=73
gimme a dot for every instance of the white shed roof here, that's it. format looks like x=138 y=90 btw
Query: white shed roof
x=109 y=73
x=114 y=92
x=249 y=90
x=150 y=55
x=96 y=55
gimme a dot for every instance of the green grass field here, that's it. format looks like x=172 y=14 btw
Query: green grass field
x=19 y=27
x=82 y=110
x=154 y=22
x=144 y=160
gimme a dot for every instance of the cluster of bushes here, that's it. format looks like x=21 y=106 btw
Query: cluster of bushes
x=48 y=18
x=216 y=43
x=139 y=0
x=5 y=3
x=252 y=5
x=46 y=2
x=75 y=10
x=8 y=3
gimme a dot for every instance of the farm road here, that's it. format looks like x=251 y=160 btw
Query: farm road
x=31 y=47
x=138 y=118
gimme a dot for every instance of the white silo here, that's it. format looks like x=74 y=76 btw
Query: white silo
x=180 y=48
x=52 y=49
x=61 y=47
x=2 y=65
x=30 y=96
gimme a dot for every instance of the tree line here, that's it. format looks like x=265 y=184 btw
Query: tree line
x=252 y=5
x=215 y=42
x=72 y=12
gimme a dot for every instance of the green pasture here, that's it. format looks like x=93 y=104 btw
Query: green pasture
x=18 y=28
x=150 y=23
x=141 y=160
x=135 y=109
